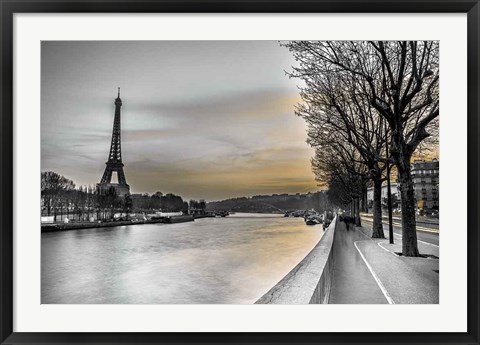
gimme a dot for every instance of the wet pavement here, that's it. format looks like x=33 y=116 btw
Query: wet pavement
x=401 y=280
x=353 y=283
x=408 y=280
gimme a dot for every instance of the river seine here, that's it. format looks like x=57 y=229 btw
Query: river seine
x=233 y=260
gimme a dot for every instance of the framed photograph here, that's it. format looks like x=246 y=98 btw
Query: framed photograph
x=239 y=172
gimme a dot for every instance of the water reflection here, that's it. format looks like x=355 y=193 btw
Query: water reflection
x=212 y=260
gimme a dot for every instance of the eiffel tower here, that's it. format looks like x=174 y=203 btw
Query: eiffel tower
x=114 y=162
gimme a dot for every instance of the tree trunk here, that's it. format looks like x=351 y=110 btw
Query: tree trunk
x=377 y=227
x=409 y=230
x=365 y=199
x=358 y=221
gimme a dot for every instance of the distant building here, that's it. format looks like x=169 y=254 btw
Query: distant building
x=425 y=176
x=394 y=190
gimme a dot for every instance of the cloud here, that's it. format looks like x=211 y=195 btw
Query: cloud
x=262 y=171
x=201 y=119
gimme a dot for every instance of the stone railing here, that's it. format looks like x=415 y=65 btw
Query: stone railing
x=311 y=280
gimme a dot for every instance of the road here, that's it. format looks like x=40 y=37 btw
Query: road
x=425 y=232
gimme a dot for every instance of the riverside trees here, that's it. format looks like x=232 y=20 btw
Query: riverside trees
x=60 y=197
x=53 y=190
x=357 y=88
x=342 y=124
x=339 y=165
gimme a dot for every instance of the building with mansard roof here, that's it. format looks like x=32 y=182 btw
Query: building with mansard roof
x=425 y=176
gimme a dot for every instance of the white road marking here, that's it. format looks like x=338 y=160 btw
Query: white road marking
x=395 y=234
x=379 y=283
x=380 y=244
x=419 y=228
x=430 y=244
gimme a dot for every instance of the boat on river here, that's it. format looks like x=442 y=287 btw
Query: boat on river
x=313 y=218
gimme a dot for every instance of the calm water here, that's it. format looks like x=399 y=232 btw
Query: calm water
x=212 y=260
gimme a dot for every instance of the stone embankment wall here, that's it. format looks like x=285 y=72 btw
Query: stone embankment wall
x=311 y=280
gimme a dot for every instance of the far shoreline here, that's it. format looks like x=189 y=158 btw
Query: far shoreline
x=59 y=227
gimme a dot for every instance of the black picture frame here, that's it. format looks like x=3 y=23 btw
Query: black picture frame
x=9 y=8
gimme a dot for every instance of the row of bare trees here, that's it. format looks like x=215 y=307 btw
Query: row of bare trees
x=60 y=198
x=369 y=106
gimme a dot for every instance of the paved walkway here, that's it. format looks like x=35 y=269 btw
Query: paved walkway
x=369 y=270
x=352 y=283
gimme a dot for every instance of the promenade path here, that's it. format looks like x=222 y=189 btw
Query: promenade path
x=352 y=283
x=368 y=270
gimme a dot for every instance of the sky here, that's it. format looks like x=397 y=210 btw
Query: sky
x=201 y=119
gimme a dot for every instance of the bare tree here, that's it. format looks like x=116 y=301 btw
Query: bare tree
x=53 y=188
x=400 y=80
x=337 y=110
x=341 y=166
x=406 y=94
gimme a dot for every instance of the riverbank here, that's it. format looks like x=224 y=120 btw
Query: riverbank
x=310 y=281
x=91 y=225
